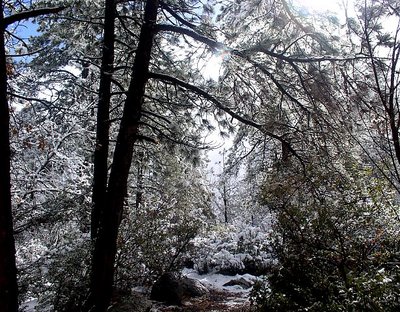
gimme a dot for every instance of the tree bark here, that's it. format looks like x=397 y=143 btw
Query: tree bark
x=391 y=110
x=100 y=170
x=8 y=271
x=139 y=180
x=106 y=242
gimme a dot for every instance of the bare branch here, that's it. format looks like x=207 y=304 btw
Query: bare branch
x=28 y=14
x=26 y=54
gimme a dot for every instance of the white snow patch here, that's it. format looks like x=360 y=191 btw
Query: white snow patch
x=29 y=305
x=217 y=281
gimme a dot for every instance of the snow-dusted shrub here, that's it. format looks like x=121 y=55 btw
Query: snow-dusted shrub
x=156 y=235
x=336 y=242
x=68 y=279
x=59 y=277
x=232 y=249
x=53 y=251
x=153 y=241
x=51 y=173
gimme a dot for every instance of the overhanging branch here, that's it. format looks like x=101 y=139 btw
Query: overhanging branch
x=176 y=16
x=205 y=95
x=280 y=87
x=196 y=36
x=28 y=14
x=220 y=46
x=218 y=104
x=290 y=59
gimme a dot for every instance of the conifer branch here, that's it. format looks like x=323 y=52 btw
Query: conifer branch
x=218 y=104
x=176 y=16
x=28 y=14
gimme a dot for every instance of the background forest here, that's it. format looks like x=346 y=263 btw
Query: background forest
x=108 y=112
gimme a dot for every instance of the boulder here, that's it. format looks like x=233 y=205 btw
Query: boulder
x=173 y=289
x=242 y=282
x=124 y=301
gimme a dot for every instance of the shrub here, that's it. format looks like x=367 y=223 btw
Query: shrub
x=155 y=239
x=233 y=249
x=335 y=239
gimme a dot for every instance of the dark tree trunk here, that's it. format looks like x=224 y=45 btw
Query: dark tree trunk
x=139 y=180
x=225 y=199
x=106 y=242
x=100 y=171
x=8 y=271
x=224 y=191
x=391 y=110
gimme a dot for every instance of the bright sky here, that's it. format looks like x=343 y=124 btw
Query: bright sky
x=211 y=69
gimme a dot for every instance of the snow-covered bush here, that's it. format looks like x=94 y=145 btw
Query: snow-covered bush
x=336 y=242
x=159 y=227
x=232 y=249
x=56 y=273
x=67 y=278
x=153 y=241
x=52 y=144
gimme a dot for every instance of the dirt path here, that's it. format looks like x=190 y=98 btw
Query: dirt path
x=215 y=301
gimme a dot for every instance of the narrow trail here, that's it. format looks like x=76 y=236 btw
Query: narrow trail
x=215 y=301
x=225 y=294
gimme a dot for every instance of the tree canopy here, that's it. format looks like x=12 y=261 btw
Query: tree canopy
x=107 y=118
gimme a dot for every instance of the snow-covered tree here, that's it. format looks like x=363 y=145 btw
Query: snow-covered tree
x=11 y=13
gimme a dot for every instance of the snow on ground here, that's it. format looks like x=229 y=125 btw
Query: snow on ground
x=220 y=298
x=28 y=306
x=217 y=281
x=237 y=296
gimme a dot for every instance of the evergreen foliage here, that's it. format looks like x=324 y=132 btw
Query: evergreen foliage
x=106 y=118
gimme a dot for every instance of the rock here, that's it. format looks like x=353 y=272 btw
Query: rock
x=254 y=266
x=173 y=289
x=129 y=301
x=242 y=282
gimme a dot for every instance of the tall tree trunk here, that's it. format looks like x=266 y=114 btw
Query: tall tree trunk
x=100 y=171
x=224 y=190
x=225 y=199
x=139 y=180
x=106 y=242
x=8 y=271
x=391 y=110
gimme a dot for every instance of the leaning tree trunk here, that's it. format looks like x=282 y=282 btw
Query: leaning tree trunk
x=106 y=242
x=8 y=271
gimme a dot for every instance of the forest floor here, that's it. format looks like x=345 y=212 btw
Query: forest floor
x=220 y=298
x=215 y=301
